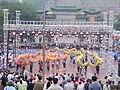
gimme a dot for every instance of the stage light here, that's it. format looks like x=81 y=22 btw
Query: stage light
x=98 y=33
x=28 y=34
x=76 y=35
x=14 y=33
x=81 y=32
x=60 y=35
x=39 y=32
x=33 y=31
x=101 y=35
x=84 y=35
x=87 y=33
x=92 y=35
x=52 y=35
x=23 y=32
x=20 y=33
x=69 y=35
x=36 y=34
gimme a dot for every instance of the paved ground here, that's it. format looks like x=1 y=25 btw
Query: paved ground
x=109 y=66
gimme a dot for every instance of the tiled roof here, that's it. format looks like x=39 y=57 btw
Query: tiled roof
x=66 y=8
x=81 y=16
x=92 y=11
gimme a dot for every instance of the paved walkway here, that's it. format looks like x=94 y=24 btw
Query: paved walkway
x=109 y=66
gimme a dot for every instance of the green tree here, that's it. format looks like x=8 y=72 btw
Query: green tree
x=1 y=22
x=117 y=24
x=28 y=12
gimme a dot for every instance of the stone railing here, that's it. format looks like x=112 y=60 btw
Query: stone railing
x=57 y=23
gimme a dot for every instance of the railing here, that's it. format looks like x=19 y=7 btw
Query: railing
x=56 y=23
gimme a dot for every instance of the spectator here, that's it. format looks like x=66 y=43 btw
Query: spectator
x=115 y=57
x=86 y=86
x=53 y=75
x=63 y=82
x=80 y=86
x=38 y=84
x=68 y=76
x=4 y=80
x=95 y=85
x=10 y=76
x=113 y=86
x=65 y=75
x=76 y=77
x=110 y=77
x=82 y=78
x=68 y=86
x=55 y=86
x=72 y=77
x=105 y=80
x=106 y=86
x=30 y=85
x=1 y=87
x=48 y=84
x=56 y=76
x=118 y=85
x=10 y=86
x=101 y=84
x=22 y=85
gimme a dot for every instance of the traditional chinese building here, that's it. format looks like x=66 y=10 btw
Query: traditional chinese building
x=73 y=13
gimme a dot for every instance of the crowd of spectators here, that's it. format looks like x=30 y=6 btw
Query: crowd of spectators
x=18 y=81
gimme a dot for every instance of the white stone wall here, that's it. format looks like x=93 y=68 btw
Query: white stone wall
x=105 y=16
x=111 y=13
x=63 y=17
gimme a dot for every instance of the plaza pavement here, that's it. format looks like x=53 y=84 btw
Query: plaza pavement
x=109 y=66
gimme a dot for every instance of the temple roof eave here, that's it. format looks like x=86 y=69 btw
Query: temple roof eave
x=66 y=8
x=92 y=11
x=88 y=12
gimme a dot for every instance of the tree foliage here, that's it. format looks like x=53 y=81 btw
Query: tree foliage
x=1 y=22
x=28 y=12
x=117 y=24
